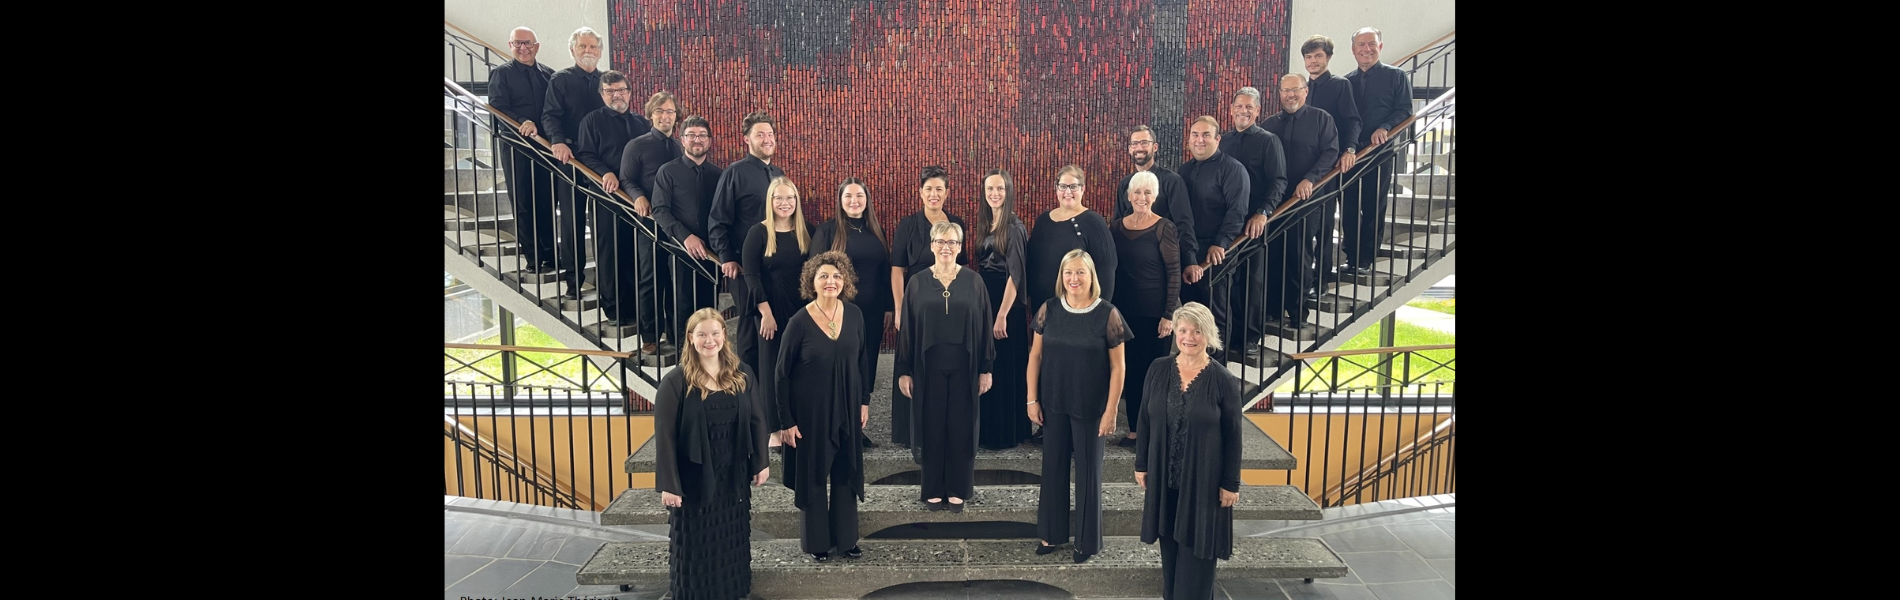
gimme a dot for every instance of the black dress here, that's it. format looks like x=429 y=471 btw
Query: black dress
x=872 y=262
x=1149 y=268
x=1052 y=239
x=945 y=353
x=1005 y=424
x=819 y=390
x=910 y=251
x=1190 y=447
x=773 y=280
x=710 y=446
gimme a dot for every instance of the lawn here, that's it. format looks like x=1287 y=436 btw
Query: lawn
x=525 y=335
x=1407 y=335
x=1448 y=305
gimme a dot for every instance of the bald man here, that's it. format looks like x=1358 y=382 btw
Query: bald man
x=1311 y=142
x=1383 y=94
x=517 y=90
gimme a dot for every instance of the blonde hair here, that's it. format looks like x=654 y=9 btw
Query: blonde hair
x=730 y=378
x=1197 y=314
x=798 y=216
x=1095 y=283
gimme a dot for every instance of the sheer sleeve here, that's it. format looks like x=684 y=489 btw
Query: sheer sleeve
x=1117 y=328
x=1035 y=324
x=1171 y=262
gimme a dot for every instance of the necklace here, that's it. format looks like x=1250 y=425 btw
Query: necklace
x=946 y=286
x=1138 y=220
x=832 y=319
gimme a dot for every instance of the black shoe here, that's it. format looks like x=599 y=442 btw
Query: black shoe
x=821 y=557
x=1041 y=549
x=865 y=441
x=1126 y=442
x=1081 y=557
x=854 y=553
x=935 y=506
x=1356 y=272
x=1036 y=438
x=955 y=507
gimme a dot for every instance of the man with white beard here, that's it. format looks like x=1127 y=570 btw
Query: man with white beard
x=573 y=92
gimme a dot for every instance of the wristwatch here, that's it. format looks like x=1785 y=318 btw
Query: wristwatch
x=1352 y=150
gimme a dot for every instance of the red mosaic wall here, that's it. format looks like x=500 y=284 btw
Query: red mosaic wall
x=879 y=89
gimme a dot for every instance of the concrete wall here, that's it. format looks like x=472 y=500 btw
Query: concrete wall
x=1405 y=25
x=552 y=22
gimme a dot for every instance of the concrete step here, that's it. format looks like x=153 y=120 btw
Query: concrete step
x=1396 y=225
x=1334 y=303
x=454 y=219
x=1446 y=161
x=484 y=243
x=1433 y=185
x=889 y=506
x=1414 y=252
x=464 y=180
x=458 y=157
x=487 y=202
x=1118 y=463
x=1124 y=568
x=1420 y=209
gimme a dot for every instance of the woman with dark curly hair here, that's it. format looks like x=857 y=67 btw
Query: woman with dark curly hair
x=822 y=406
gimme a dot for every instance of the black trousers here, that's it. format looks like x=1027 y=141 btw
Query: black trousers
x=746 y=335
x=873 y=337
x=1238 y=301
x=1142 y=350
x=1290 y=273
x=1183 y=575
x=1063 y=437
x=834 y=525
x=631 y=265
x=615 y=262
x=531 y=190
x=1215 y=298
x=948 y=428
x=1362 y=210
x=687 y=291
x=571 y=250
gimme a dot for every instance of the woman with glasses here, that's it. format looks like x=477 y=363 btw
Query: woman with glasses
x=911 y=254
x=1000 y=239
x=854 y=230
x=774 y=251
x=943 y=362
x=1068 y=226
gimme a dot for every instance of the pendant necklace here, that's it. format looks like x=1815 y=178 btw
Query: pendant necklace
x=833 y=324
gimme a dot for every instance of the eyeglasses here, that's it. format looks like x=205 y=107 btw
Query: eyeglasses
x=1140 y=143
x=694 y=135
x=1069 y=187
x=946 y=242
x=522 y=44
x=617 y=91
x=1287 y=91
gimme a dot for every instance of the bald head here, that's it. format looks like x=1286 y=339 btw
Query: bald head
x=523 y=45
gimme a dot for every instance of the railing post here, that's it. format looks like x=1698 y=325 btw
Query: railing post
x=507 y=357
x=1388 y=330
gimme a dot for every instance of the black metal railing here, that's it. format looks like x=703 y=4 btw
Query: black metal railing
x=541 y=445
x=539 y=376
x=1373 y=424
x=544 y=228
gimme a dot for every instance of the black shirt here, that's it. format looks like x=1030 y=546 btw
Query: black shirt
x=603 y=134
x=739 y=199
x=869 y=260
x=1333 y=94
x=1384 y=97
x=1311 y=142
x=910 y=246
x=773 y=279
x=1150 y=278
x=1007 y=259
x=1075 y=361
x=1052 y=239
x=572 y=93
x=517 y=90
x=1218 y=190
x=1171 y=203
x=1260 y=152
x=682 y=197
x=641 y=160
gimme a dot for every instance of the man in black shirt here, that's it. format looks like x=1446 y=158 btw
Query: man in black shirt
x=638 y=163
x=682 y=205
x=1312 y=148
x=1171 y=202
x=604 y=134
x=516 y=89
x=1261 y=153
x=1383 y=94
x=738 y=202
x=1218 y=188
x=573 y=92
x=1332 y=94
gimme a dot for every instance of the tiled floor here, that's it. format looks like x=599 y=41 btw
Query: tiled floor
x=1398 y=550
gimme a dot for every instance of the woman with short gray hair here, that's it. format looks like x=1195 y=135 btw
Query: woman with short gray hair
x=1187 y=459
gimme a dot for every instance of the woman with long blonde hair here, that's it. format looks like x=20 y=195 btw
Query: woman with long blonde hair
x=711 y=436
x=774 y=251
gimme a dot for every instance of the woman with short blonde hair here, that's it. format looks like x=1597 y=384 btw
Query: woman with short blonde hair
x=1187 y=459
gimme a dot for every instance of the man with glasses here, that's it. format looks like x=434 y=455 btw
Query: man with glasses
x=604 y=134
x=573 y=93
x=682 y=205
x=739 y=201
x=639 y=161
x=1312 y=148
x=517 y=89
x=1172 y=201
x=1218 y=189
x=1383 y=95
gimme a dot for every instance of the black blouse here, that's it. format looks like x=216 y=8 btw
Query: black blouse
x=1053 y=239
x=773 y=279
x=1197 y=453
x=1074 y=375
x=869 y=260
x=910 y=246
x=1149 y=264
x=683 y=434
x=1009 y=259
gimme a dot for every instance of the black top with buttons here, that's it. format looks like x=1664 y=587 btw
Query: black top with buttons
x=1052 y=239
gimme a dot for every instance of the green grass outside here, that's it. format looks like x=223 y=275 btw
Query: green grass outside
x=525 y=335
x=1448 y=305
x=1407 y=335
